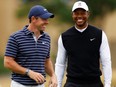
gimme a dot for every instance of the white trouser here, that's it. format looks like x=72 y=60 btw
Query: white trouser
x=16 y=84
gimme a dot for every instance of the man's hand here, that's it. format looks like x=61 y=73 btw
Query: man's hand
x=39 y=78
x=53 y=81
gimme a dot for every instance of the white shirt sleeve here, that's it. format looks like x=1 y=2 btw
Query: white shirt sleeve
x=60 y=64
x=105 y=58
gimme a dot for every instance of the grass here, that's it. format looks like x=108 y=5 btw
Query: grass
x=3 y=70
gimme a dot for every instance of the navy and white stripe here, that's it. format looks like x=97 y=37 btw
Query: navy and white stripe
x=28 y=53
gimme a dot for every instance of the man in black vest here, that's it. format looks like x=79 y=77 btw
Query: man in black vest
x=83 y=47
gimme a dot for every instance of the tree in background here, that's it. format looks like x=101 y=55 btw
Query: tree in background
x=62 y=8
x=101 y=7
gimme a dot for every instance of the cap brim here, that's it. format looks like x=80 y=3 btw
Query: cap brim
x=47 y=15
x=79 y=8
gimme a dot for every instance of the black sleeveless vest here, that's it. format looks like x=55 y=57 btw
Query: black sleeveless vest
x=83 y=54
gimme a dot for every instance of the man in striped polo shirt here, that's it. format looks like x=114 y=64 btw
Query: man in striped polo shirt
x=28 y=52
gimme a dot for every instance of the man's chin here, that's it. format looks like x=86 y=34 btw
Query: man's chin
x=43 y=29
x=80 y=25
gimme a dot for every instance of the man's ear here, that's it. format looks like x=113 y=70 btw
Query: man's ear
x=33 y=18
x=88 y=13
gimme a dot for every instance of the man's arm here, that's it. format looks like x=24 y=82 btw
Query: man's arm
x=50 y=71
x=11 y=64
x=60 y=62
x=106 y=61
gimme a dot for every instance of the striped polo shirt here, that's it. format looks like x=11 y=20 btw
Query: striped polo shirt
x=28 y=53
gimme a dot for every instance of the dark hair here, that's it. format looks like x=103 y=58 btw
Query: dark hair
x=29 y=20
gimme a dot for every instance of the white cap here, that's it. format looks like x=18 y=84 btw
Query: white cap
x=80 y=4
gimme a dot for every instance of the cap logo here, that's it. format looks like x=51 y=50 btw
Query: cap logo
x=45 y=9
x=79 y=4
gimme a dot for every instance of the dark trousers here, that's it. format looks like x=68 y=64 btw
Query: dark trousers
x=70 y=84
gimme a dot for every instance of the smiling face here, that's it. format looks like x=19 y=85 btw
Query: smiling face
x=80 y=16
x=38 y=24
x=41 y=23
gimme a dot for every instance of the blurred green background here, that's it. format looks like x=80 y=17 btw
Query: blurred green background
x=13 y=15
